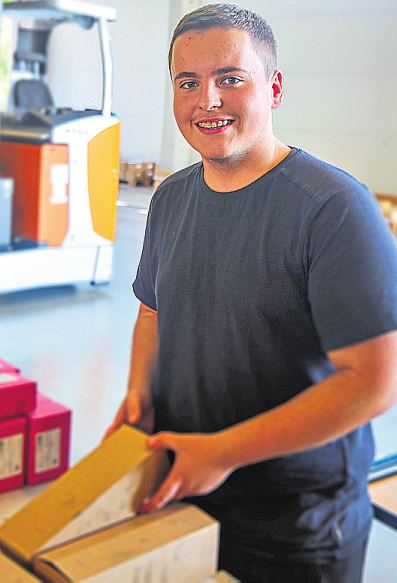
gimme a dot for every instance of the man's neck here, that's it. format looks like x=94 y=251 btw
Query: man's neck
x=230 y=175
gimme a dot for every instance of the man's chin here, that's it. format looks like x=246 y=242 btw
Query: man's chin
x=225 y=160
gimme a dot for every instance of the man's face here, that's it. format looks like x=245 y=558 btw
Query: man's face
x=222 y=100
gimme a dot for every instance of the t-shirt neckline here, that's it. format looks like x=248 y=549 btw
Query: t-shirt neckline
x=268 y=175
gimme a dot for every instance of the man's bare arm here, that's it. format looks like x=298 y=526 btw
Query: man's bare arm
x=363 y=386
x=136 y=407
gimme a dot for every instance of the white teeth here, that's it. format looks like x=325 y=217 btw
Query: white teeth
x=209 y=125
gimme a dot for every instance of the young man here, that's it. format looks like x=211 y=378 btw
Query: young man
x=266 y=337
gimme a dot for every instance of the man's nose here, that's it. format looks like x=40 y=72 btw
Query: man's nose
x=210 y=97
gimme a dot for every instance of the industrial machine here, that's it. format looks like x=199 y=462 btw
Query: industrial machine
x=63 y=164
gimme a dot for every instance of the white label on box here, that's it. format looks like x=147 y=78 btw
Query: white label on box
x=48 y=447
x=6 y=377
x=11 y=456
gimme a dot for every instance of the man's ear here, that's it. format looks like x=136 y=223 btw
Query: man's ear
x=277 y=89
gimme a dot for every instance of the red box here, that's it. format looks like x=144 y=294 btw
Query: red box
x=6 y=366
x=48 y=440
x=12 y=453
x=17 y=394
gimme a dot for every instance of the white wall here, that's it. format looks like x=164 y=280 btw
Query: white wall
x=340 y=66
x=339 y=61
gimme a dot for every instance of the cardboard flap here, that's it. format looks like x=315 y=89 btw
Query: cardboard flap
x=77 y=489
x=140 y=543
x=10 y=572
x=118 y=503
x=51 y=571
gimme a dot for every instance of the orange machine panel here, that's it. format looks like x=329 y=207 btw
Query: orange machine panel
x=41 y=190
x=103 y=180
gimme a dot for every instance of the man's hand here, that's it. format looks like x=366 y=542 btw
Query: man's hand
x=197 y=469
x=136 y=409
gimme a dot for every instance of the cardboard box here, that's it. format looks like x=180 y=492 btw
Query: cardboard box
x=11 y=572
x=138 y=173
x=220 y=577
x=178 y=544
x=135 y=174
x=17 y=394
x=48 y=441
x=123 y=171
x=12 y=451
x=105 y=487
x=160 y=175
x=148 y=173
x=7 y=366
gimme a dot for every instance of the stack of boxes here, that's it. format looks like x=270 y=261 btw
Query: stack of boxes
x=142 y=173
x=34 y=432
x=83 y=527
x=160 y=175
x=137 y=173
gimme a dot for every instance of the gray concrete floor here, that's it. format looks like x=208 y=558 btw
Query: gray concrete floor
x=75 y=342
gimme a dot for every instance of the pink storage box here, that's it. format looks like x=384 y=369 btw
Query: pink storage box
x=6 y=366
x=17 y=394
x=48 y=440
x=12 y=453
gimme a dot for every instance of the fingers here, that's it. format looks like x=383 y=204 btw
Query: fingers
x=168 y=491
x=129 y=411
x=171 y=488
x=161 y=440
x=132 y=408
x=118 y=420
x=196 y=470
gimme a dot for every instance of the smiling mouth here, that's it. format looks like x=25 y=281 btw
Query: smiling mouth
x=211 y=125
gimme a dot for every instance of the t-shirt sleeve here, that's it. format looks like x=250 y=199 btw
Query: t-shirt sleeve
x=144 y=284
x=352 y=270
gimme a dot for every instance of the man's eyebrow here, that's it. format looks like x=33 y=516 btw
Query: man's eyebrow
x=222 y=71
x=225 y=70
x=184 y=74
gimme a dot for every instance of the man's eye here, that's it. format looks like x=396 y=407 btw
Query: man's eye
x=189 y=84
x=230 y=80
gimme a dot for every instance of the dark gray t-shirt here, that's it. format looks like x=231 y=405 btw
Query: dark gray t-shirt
x=252 y=288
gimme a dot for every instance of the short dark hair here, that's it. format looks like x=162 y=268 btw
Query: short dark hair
x=231 y=16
